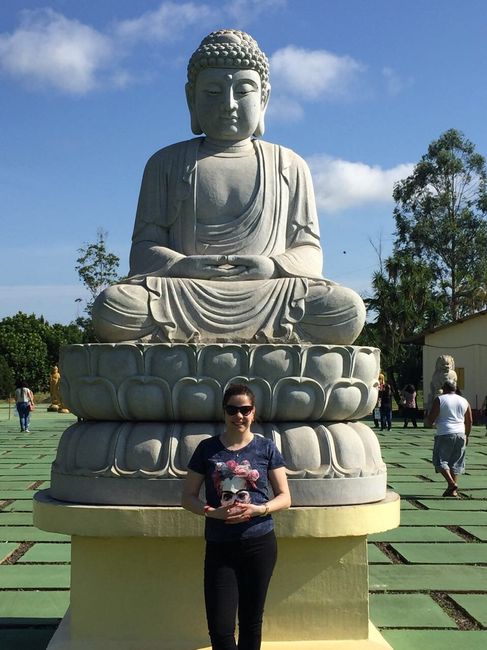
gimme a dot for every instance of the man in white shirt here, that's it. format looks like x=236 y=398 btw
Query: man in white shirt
x=453 y=417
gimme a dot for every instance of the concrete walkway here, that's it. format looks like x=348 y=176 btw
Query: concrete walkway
x=428 y=579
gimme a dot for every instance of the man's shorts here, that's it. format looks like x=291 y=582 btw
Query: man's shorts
x=449 y=453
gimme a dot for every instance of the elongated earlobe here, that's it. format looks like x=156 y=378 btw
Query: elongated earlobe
x=195 y=125
x=260 y=130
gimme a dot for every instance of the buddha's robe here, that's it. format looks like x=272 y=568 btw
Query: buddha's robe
x=280 y=223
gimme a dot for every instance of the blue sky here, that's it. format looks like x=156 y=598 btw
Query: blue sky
x=89 y=90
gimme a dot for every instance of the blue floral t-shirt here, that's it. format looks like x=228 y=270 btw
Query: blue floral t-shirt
x=236 y=477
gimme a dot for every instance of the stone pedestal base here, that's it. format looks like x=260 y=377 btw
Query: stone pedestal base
x=136 y=577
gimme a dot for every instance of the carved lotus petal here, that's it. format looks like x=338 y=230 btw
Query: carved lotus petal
x=296 y=399
x=274 y=362
x=96 y=398
x=189 y=436
x=223 y=362
x=118 y=361
x=349 y=452
x=94 y=445
x=327 y=364
x=300 y=448
x=374 y=462
x=75 y=361
x=170 y=362
x=145 y=398
x=366 y=364
x=197 y=399
x=142 y=448
x=344 y=400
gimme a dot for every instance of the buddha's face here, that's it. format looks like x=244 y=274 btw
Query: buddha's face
x=228 y=103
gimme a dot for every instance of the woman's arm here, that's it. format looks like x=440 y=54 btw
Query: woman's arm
x=191 y=490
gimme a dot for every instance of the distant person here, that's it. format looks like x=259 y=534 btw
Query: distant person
x=410 y=406
x=484 y=412
x=24 y=401
x=453 y=417
x=385 y=397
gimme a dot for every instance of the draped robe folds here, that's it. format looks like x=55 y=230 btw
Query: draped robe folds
x=280 y=222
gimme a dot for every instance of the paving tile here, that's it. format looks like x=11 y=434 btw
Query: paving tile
x=416 y=489
x=408 y=610
x=7 y=486
x=45 y=552
x=415 y=534
x=407 y=577
x=442 y=518
x=452 y=504
x=17 y=494
x=6 y=549
x=474 y=494
x=20 y=506
x=45 y=604
x=375 y=555
x=474 y=604
x=15 y=519
x=36 y=576
x=25 y=638
x=459 y=553
x=29 y=534
x=478 y=531
x=436 y=639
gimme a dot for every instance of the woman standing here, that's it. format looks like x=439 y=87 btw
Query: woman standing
x=24 y=399
x=409 y=405
x=237 y=468
x=385 y=396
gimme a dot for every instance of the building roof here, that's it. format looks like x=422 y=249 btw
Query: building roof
x=418 y=339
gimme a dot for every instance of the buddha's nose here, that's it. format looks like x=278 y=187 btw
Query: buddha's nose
x=229 y=101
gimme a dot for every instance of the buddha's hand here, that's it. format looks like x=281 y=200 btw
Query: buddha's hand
x=251 y=267
x=202 y=267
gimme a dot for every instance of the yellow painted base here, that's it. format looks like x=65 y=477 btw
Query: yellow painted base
x=140 y=588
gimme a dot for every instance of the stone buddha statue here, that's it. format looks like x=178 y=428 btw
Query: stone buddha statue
x=226 y=243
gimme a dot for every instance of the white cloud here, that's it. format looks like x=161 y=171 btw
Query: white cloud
x=52 y=50
x=166 y=22
x=311 y=74
x=341 y=184
x=285 y=109
x=242 y=12
x=395 y=84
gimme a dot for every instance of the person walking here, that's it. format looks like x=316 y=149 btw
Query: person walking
x=409 y=404
x=453 y=417
x=385 y=397
x=24 y=401
x=237 y=468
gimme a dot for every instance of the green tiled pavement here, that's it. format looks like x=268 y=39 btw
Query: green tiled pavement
x=29 y=534
x=37 y=576
x=460 y=553
x=415 y=534
x=475 y=605
x=477 y=531
x=404 y=577
x=436 y=639
x=47 y=553
x=45 y=604
x=407 y=610
x=6 y=549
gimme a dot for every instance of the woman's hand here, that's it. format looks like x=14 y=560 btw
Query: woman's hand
x=237 y=513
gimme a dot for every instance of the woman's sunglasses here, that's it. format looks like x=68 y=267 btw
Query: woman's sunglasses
x=230 y=409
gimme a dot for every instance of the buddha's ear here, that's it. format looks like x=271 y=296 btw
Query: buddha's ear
x=260 y=130
x=195 y=125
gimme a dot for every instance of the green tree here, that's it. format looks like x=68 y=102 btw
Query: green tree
x=97 y=269
x=7 y=381
x=30 y=346
x=440 y=216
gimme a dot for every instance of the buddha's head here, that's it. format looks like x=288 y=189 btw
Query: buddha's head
x=228 y=86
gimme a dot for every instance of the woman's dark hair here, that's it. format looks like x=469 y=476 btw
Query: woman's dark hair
x=409 y=388
x=238 y=389
x=21 y=383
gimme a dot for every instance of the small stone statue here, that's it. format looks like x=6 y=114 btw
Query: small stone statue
x=226 y=243
x=55 y=390
x=54 y=387
x=444 y=371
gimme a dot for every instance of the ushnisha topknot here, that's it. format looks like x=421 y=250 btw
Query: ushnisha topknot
x=229 y=48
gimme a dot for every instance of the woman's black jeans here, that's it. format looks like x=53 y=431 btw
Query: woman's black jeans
x=237 y=575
